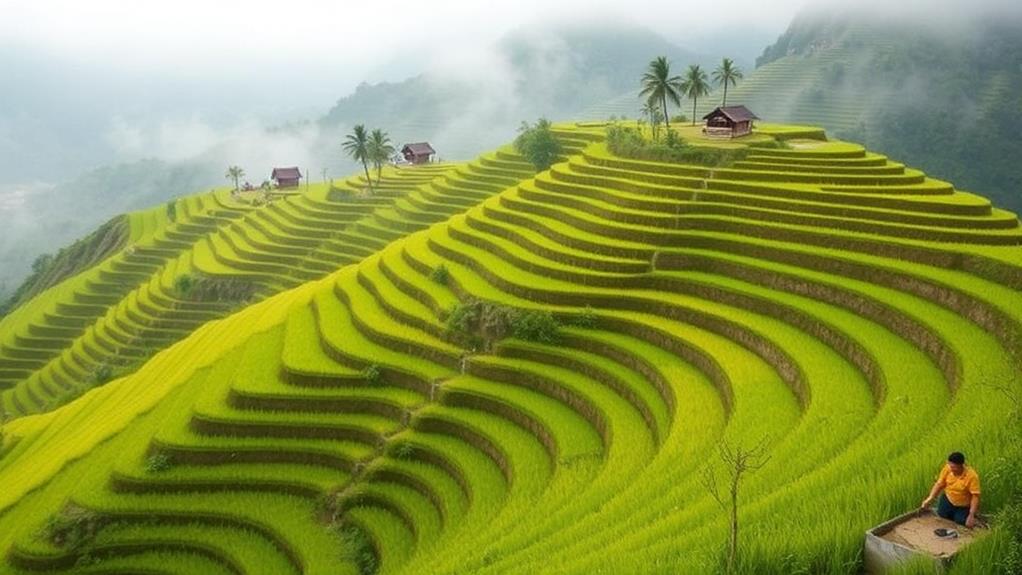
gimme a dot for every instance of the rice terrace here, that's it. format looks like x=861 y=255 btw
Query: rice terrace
x=688 y=336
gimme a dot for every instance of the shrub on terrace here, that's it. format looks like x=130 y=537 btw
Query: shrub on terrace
x=479 y=325
x=628 y=142
x=72 y=528
x=372 y=374
x=440 y=274
x=538 y=144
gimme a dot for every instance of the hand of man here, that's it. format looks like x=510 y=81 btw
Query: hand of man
x=970 y=521
x=926 y=503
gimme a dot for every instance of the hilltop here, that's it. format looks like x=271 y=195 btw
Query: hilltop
x=481 y=368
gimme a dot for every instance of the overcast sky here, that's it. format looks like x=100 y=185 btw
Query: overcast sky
x=202 y=33
x=132 y=73
x=200 y=39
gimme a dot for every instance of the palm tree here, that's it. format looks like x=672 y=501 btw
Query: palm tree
x=356 y=144
x=235 y=173
x=380 y=150
x=727 y=73
x=659 y=86
x=695 y=85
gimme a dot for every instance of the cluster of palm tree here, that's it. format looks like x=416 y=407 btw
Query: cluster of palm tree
x=659 y=87
x=369 y=148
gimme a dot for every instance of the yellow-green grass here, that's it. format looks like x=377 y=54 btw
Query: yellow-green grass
x=112 y=325
x=781 y=300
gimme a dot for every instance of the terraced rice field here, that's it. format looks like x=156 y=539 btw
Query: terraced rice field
x=846 y=310
x=121 y=312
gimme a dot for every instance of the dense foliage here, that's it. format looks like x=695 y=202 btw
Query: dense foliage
x=629 y=142
x=214 y=289
x=480 y=325
x=538 y=144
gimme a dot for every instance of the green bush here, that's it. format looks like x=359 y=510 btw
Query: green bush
x=157 y=462
x=479 y=325
x=213 y=289
x=538 y=144
x=172 y=210
x=183 y=285
x=585 y=320
x=72 y=528
x=673 y=140
x=404 y=451
x=440 y=274
x=535 y=325
x=628 y=142
x=372 y=374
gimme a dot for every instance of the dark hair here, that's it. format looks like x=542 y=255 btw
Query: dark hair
x=956 y=457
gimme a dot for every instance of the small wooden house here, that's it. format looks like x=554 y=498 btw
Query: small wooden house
x=286 y=177
x=729 y=121
x=418 y=152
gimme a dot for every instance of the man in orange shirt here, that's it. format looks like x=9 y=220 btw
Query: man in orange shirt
x=960 y=500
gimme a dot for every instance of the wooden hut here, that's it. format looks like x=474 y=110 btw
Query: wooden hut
x=729 y=121
x=286 y=177
x=418 y=152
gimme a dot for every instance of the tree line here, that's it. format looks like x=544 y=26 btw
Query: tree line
x=659 y=87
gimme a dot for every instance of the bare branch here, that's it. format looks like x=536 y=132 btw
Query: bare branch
x=709 y=480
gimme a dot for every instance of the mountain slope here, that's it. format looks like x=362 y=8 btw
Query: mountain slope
x=42 y=219
x=476 y=101
x=827 y=302
x=48 y=271
x=946 y=99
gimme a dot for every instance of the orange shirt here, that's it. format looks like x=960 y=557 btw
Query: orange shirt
x=959 y=488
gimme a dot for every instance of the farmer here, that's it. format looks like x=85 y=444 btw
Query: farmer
x=960 y=500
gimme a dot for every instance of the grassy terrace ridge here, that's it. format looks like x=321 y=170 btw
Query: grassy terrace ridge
x=839 y=306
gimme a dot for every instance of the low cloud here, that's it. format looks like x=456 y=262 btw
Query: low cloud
x=248 y=143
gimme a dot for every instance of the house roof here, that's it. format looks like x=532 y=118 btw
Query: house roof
x=418 y=148
x=733 y=113
x=285 y=173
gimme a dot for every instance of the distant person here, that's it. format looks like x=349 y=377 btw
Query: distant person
x=960 y=500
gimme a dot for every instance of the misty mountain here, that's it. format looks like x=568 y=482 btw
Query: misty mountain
x=40 y=220
x=471 y=105
x=947 y=98
x=58 y=124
